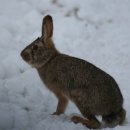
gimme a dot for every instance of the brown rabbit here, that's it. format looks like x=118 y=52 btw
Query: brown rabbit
x=92 y=90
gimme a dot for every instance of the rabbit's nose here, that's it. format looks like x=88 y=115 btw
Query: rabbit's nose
x=25 y=56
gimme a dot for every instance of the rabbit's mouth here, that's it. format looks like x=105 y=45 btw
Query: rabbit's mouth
x=26 y=57
x=29 y=59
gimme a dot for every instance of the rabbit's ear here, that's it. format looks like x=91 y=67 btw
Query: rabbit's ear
x=47 y=27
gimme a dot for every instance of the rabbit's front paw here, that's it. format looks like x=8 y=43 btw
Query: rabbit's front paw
x=56 y=113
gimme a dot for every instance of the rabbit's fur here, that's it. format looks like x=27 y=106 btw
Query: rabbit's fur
x=92 y=90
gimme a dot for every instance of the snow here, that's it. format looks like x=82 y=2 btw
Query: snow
x=95 y=30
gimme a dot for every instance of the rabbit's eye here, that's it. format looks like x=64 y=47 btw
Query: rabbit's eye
x=35 y=47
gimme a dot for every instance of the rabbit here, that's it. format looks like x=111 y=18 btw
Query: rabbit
x=92 y=90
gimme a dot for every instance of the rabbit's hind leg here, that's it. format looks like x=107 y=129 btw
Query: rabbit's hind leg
x=91 y=121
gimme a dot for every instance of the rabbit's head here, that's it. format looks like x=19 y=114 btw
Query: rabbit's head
x=40 y=51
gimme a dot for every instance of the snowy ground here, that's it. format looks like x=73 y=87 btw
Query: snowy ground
x=95 y=30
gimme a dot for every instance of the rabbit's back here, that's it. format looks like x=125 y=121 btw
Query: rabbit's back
x=90 y=88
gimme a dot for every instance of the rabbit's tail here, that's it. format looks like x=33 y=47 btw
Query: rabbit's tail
x=115 y=119
x=121 y=115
